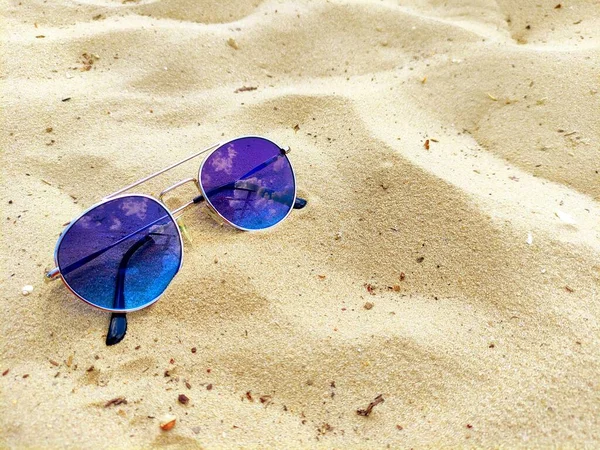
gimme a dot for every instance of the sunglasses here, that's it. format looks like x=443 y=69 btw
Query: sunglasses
x=122 y=253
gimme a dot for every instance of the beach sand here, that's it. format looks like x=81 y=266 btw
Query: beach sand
x=449 y=152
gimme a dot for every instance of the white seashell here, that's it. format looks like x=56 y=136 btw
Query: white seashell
x=566 y=218
x=167 y=422
x=27 y=289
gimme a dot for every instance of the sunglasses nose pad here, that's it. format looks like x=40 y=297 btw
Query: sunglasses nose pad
x=184 y=231
x=212 y=213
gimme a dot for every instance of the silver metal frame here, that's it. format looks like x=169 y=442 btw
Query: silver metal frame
x=106 y=200
x=55 y=273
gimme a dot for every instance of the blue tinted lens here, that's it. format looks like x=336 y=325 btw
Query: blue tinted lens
x=122 y=254
x=250 y=182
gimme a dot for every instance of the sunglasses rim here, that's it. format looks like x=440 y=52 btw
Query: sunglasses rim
x=211 y=206
x=106 y=200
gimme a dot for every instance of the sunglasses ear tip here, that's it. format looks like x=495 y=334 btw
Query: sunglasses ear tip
x=300 y=203
x=116 y=329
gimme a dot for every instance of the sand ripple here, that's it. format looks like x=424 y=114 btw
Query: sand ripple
x=484 y=330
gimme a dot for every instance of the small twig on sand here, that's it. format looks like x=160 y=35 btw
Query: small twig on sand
x=365 y=412
x=245 y=89
x=115 y=402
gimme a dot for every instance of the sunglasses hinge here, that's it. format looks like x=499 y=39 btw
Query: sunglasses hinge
x=52 y=274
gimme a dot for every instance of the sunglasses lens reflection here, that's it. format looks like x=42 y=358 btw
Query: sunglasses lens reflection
x=249 y=181
x=122 y=254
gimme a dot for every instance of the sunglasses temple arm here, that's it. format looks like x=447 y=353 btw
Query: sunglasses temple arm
x=262 y=166
x=53 y=274
x=77 y=264
x=298 y=204
x=118 y=321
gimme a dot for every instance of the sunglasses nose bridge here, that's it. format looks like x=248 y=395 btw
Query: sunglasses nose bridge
x=179 y=184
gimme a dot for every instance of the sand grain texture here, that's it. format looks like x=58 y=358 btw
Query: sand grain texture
x=487 y=341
